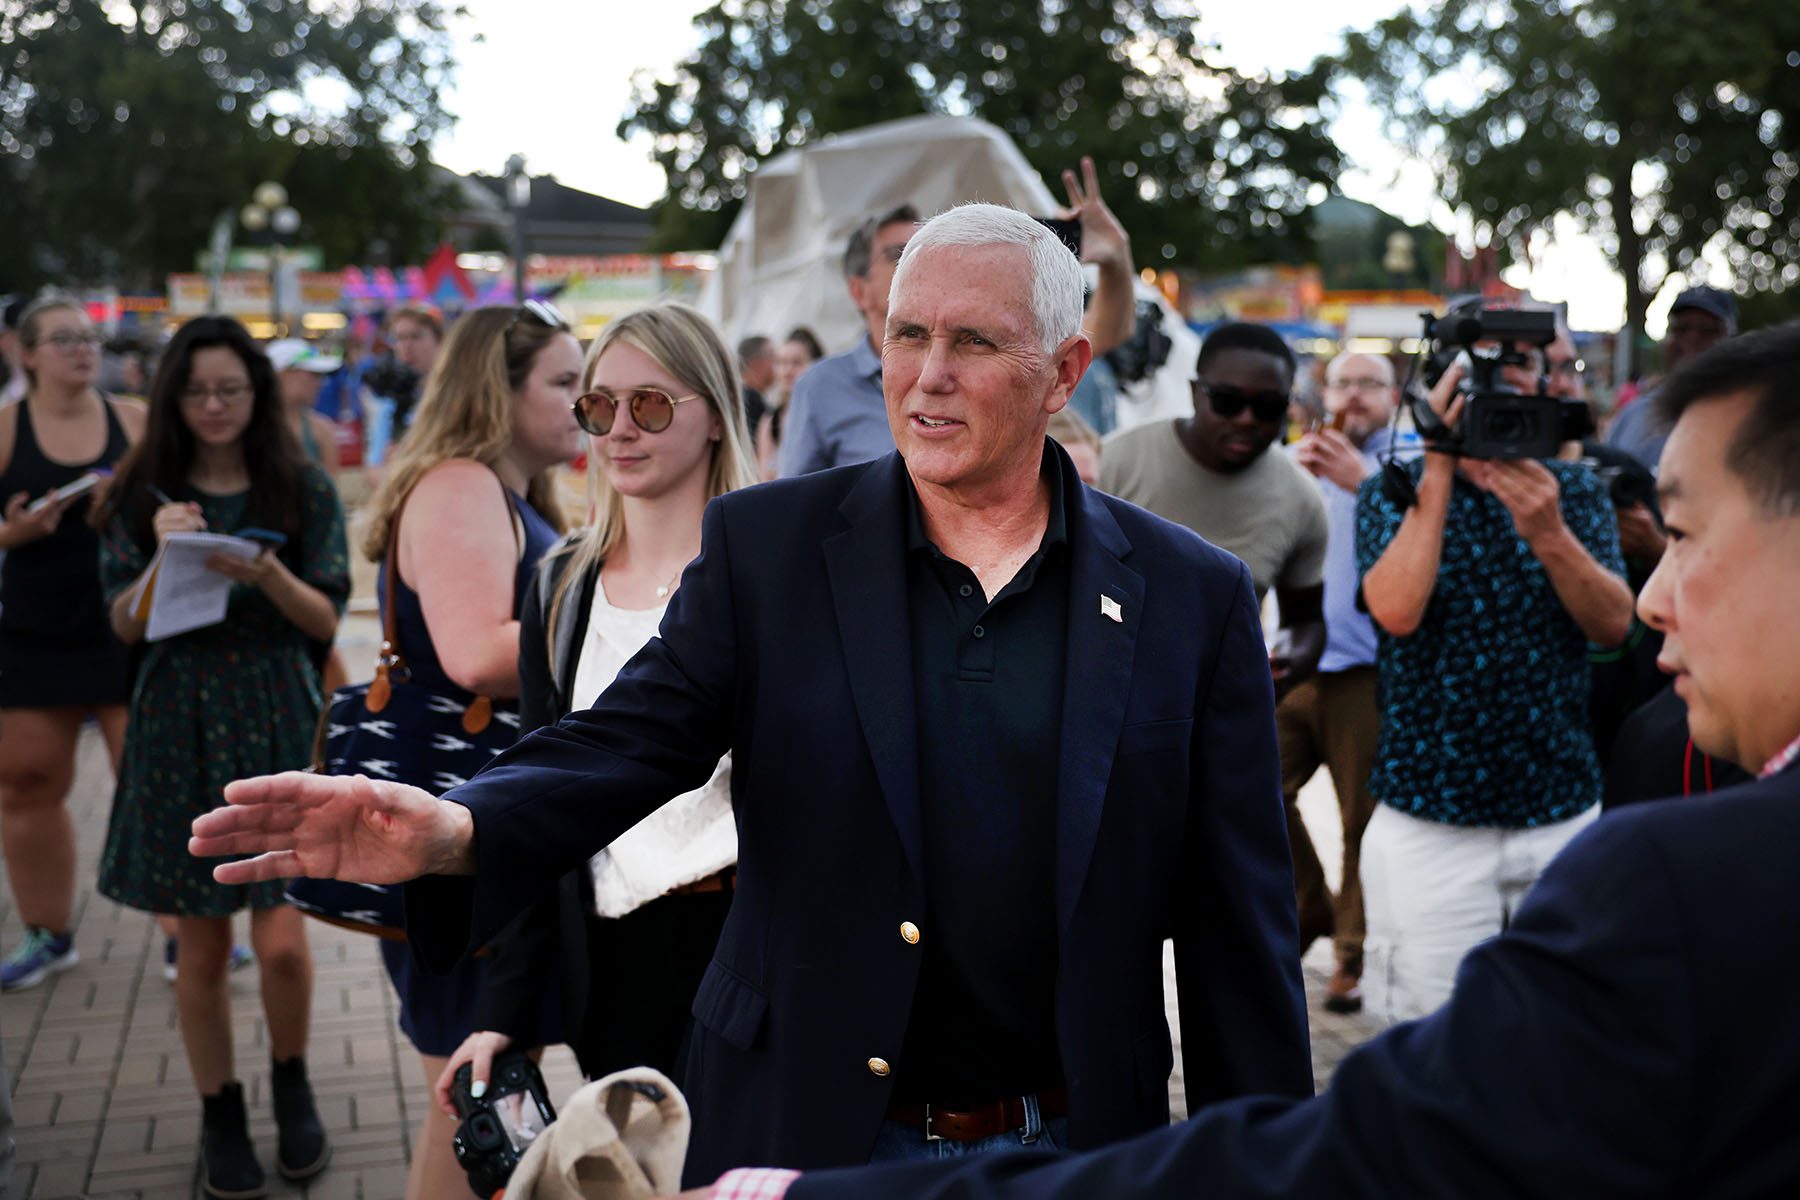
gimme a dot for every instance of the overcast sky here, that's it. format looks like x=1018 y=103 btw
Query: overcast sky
x=550 y=78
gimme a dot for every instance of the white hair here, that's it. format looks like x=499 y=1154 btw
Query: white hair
x=1056 y=279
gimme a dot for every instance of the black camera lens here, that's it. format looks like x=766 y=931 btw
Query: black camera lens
x=1510 y=425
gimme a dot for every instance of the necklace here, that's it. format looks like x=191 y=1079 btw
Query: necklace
x=663 y=589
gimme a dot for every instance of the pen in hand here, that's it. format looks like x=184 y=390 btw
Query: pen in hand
x=169 y=501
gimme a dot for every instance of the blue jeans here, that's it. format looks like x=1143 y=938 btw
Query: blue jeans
x=899 y=1142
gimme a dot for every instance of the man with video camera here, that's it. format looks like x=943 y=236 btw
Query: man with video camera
x=1488 y=568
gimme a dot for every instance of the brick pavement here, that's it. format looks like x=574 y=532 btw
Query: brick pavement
x=103 y=1095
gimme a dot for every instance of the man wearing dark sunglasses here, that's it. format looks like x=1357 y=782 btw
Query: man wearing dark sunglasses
x=1214 y=473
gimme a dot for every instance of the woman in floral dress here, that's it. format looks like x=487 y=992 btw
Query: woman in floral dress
x=219 y=703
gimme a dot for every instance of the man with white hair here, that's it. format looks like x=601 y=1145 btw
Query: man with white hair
x=995 y=736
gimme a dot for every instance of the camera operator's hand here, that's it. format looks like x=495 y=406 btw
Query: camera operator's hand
x=1527 y=489
x=478 y=1049
x=1330 y=455
x=1641 y=539
x=1447 y=403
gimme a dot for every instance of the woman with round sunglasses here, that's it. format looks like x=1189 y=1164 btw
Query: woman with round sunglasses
x=59 y=661
x=221 y=702
x=468 y=504
x=632 y=931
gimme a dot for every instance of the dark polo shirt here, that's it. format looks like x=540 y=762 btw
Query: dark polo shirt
x=988 y=678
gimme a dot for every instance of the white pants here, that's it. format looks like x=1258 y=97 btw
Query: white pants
x=1432 y=891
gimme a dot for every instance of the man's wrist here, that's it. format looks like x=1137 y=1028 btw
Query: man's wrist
x=458 y=854
x=1553 y=541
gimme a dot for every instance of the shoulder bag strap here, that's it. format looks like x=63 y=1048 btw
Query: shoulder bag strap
x=381 y=688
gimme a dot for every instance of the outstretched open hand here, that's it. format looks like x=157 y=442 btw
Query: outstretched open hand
x=333 y=827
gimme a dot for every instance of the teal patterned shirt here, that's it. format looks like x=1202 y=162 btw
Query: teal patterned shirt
x=1484 y=708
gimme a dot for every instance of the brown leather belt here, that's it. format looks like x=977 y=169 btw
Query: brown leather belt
x=974 y=1125
x=721 y=881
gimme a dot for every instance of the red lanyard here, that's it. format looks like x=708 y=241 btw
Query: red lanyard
x=1687 y=769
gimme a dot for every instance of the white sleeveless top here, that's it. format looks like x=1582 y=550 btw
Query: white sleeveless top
x=687 y=839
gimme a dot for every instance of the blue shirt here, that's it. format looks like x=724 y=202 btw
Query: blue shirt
x=837 y=415
x=1638 y=432
x=1349 y=634
x=1484 y=708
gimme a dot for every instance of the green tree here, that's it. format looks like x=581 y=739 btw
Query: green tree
x=1663 y=129
x=127 y=128
x=1205 y=166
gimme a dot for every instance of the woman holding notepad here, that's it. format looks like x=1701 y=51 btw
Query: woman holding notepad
x=59 y=662
x=220 y=702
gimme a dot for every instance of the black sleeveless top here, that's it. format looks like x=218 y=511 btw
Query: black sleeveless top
x=51 y=587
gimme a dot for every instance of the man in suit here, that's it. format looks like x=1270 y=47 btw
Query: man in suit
x=995 y=737
x=1632 y=1032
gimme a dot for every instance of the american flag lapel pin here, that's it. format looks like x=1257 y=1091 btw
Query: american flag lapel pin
x=1109 y=608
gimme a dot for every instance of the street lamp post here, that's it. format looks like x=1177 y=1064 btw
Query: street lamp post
x=1398 y=260
x=518 y=199
x=269 y=209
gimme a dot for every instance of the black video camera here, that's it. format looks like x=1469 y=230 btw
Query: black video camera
x=391 y=378
x=1498 y=420
x=498 y=1128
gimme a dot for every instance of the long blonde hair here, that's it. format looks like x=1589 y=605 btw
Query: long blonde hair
x=685 y=344
x=467 y=411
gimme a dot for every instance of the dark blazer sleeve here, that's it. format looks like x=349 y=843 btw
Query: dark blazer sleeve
x=1564 y=1064
x=1244 y=1029
x=519 y=960
x=568 y=790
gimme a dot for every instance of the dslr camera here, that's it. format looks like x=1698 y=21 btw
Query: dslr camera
x=497 y=1129
x=390 y=377
x=1498 y=420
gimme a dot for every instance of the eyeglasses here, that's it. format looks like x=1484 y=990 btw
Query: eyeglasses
x=1229 y=401
x=227 y=394
x=1361 y=383
x=1572 y=368
x=652 y=409
x=538 y=310
x=65 y=340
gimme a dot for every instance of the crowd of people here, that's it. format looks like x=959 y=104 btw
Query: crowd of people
x=862 y=802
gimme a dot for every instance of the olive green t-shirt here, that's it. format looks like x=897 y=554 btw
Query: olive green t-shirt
x=1269 y=514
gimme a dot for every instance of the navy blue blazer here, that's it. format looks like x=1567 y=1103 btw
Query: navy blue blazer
x=1632 y=1034
x=788 y=644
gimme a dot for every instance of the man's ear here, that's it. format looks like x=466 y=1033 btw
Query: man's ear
x=1071 y=364
x=859 y=290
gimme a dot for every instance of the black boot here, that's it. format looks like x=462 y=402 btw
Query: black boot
x=228 y=1166
x=303 y=1150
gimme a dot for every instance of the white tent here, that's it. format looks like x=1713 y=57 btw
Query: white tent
x=781 y=265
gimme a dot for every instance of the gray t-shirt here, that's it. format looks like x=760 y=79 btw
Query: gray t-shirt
x=1269 y=514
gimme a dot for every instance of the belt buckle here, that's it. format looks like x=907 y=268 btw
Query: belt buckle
x=930 y=1136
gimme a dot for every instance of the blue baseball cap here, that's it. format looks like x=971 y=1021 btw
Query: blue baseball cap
x=1719 y=303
